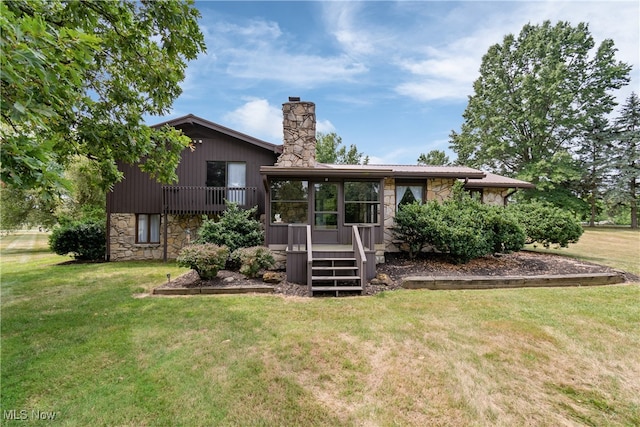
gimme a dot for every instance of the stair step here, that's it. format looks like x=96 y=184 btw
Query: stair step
x=333 y=259
x=336 y=288
x=332 y=278
x=336 y=267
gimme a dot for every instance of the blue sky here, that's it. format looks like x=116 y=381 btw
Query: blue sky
x=390 y=77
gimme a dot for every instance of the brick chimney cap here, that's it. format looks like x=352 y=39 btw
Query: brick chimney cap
x=294 y=99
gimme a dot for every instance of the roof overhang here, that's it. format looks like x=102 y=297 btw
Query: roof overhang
x=373 y=171
x=191 y=119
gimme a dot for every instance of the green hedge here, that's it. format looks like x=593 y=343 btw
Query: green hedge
x=465 y=229
x=84 y=240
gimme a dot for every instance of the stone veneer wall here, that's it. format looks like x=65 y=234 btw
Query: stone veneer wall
x=437 y=189
x=299 y=128
x=494 y=196
x=123 y=237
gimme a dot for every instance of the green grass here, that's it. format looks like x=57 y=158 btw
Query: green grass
x=77 y=340
x=614 y=247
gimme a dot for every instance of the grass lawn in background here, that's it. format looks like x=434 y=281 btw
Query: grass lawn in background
x=80 y=344
x=611 y=246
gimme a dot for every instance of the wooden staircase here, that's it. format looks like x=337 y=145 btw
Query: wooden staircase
x=335 y=274
x=330 y=267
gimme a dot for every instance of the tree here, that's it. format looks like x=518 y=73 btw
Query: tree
x=434 y=158
x=535 y=98
x=329 y=150
x=593 y=155
x=626 y=156
x=78 y=78
x=26 y=208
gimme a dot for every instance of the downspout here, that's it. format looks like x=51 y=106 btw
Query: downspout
x=509 y=194
x=166 y=225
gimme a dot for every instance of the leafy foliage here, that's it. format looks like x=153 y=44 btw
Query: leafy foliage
x=84 y=240
x=434 y=158
x=462 y=227
x=236 y=228
x=78 y=78
x=329 y=150
x=254 y=259
x=206 y=259
x=534 y=101
x=547 y=224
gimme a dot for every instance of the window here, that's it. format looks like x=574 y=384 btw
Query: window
x=407 y=194
x=477 y=194
x=361 y=202
x=230 y=178
x=148 y=228
x=289 y=201
x=326 y=206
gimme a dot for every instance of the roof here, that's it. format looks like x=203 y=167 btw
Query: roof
x=376 y=171
x=474 y=178
x=493 y=180
x=191 y=119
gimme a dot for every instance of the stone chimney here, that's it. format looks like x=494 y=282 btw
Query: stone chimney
x=299 y=127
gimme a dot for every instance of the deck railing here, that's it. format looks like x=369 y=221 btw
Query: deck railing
x=206 y=200
x=358 y=252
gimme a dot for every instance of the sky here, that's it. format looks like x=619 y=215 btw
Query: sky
x=391 y=77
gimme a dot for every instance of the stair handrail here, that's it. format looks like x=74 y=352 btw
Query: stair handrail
x=358 y=251
x=309 y=260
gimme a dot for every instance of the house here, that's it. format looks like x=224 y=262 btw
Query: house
x=331 y=224
x=148 y=220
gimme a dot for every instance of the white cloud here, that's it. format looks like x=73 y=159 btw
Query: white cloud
x=257 y=50
x=325 y=126
x=448 y=71
x=341 y=20
x=257 y=118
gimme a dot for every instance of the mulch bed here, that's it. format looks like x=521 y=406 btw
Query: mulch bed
x=398 y=267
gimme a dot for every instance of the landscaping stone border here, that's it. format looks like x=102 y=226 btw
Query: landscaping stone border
x=484 y=282
x=215 y=290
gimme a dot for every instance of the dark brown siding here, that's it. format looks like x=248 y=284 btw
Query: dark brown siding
x=138 y=193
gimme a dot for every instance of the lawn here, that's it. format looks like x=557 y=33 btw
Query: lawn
x=80 y=344
x=615 y=247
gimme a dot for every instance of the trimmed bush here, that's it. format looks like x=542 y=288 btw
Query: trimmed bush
x=86 y=241
x=206 y=259
x=546 y=224
x=253 y=259
x=236 y=228
x=462 y=227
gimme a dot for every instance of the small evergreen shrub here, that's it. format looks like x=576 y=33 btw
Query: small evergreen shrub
x=254 y=259
x=206 y=259
x=415 y=225
x=547 y=224
x=86 y=241
x=236 y=228
x=508 y=234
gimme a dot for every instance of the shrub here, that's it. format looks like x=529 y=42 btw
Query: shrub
x=207 y=259
x=412 y=224
x=546 y=224
x=253 y=259
x=462 y=227
x=236 y=228
x=84 y=240
x=508 y=234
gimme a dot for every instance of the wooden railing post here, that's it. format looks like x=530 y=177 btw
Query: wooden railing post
x=309 y=261
x=358 y=251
